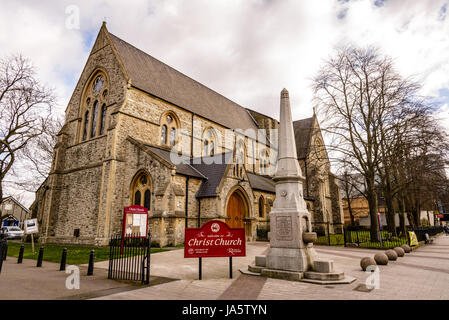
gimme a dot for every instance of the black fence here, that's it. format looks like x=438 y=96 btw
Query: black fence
x=129 y=258
x=329 y=234
x=262 y=232
x=431 y=231
x=336 y=234
x=361 y=237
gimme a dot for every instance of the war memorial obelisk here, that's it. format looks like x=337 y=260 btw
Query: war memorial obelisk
x=291 y=255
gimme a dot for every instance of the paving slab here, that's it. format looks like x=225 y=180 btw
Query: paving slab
x=422 y=274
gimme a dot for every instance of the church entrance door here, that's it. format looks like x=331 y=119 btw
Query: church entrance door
x=236 y=210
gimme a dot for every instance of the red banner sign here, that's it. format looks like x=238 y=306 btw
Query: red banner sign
x=214 y=239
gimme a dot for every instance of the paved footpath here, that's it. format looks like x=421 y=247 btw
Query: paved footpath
x=422 y=274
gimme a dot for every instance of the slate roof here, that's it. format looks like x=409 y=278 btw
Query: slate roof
x=157 y=78
x=183 y=168
x=213 y=168
x=303 y=130
x=261 y=183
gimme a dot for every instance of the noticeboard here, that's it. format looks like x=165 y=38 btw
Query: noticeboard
x=135 y=221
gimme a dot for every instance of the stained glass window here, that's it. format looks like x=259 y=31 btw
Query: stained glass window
x=94 y=119
x=98 y=85
x=172 y=136
x=103 y=119
x=164 y=134
x=86 y=124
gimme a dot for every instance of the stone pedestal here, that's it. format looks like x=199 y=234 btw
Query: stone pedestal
x=291 y=255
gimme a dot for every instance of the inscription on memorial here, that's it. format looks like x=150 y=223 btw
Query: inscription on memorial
x=284 y=228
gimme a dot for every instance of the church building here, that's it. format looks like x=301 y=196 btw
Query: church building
x=139 y=132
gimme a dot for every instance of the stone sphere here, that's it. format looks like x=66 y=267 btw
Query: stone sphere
x=406 y=248
x=400 y=252
x=381 y=258
x=392 y=255
x=367 y=261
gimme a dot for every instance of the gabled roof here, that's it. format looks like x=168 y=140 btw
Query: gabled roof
x=182 y=168
x=303 y=131
x=16 y=202
x=261 y=183
x=156 y=78
x=213 y=168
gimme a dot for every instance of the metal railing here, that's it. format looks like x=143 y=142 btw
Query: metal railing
x=421 y=231
x=129 y=258
x=329 y=234
x=361 y=237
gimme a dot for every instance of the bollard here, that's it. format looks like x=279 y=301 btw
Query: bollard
x=1 y=254
x=90 y=269
x=63 y=259
x=40 y=257
x=19 y=260
x=5 y=250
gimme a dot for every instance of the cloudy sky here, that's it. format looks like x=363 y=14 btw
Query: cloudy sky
x=247 y=50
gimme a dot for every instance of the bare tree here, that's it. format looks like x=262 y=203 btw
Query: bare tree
x=348 y=185
x=36 y=158
x=25 y=109
x=358 y=94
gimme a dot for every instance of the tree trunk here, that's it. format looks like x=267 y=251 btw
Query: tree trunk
x=401 y=214
x=390 y=215
x=372 y=203
x=351 y=214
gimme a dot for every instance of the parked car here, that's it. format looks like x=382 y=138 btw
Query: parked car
x=12 y=232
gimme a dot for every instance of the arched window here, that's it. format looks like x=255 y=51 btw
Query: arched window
x=240 y=152
x=141 y=190
x=206 y=148
x=97 y=91
x=164 y=134
x=209 y=138
x=147 y=199
x=86 y=124
x=319 y=149
x=169 y=127
x=264 y=161
x=261 y=207
x=94 y=119
x=172 y=136
x=103 y=118
x=212 y=149
x=137 y=197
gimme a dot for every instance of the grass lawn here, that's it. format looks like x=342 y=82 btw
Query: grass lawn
x=336 y=240
x=76 y=254
x=364 y=239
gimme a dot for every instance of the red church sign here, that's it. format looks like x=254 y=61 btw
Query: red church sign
x=214 y=239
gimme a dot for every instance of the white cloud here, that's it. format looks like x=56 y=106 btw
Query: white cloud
x=246 y=50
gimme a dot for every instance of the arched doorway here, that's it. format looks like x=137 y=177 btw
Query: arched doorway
x=236 y=210
x=141 y=190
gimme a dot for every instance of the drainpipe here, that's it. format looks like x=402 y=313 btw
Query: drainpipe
x=307 y=180
x=199 y=212
x=187 y=201
x=191 y=138
x=254 y=158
